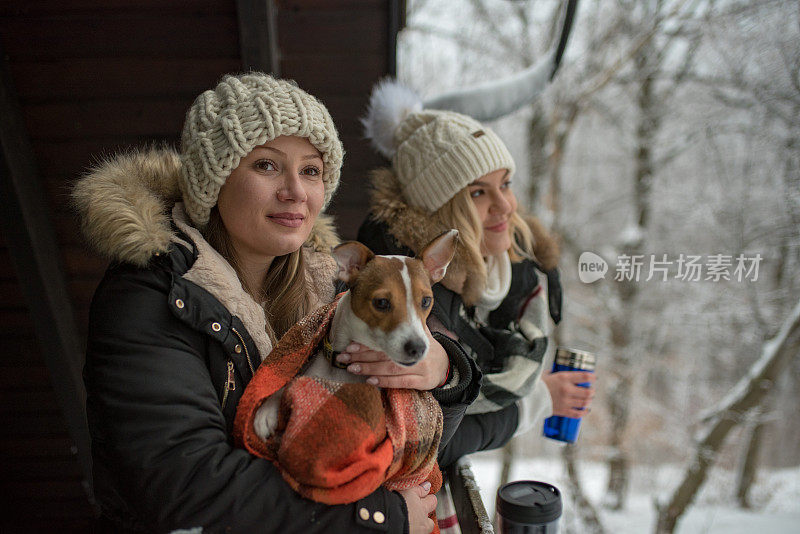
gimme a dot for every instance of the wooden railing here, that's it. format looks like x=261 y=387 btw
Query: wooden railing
x=473 y=517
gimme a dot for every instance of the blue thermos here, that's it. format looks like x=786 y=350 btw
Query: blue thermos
x=566 y=428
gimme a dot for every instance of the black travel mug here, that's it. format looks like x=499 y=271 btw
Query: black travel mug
x=527 y=507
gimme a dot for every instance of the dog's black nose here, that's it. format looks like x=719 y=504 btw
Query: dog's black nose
x=414 y=348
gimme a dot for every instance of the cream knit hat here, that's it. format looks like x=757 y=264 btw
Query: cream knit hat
x=240 y=113
x=434 y=153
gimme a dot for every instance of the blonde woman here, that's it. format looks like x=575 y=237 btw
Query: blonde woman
x=449 y=171
x=216 y=252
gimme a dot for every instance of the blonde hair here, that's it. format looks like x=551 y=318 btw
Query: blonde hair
x=285 y=292
x=460 y=213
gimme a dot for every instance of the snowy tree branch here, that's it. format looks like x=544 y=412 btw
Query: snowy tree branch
x=461 y=40
x=747 y=394
x=761 y=374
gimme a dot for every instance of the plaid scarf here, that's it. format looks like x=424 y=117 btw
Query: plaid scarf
x=517 y=333
x=337 y=443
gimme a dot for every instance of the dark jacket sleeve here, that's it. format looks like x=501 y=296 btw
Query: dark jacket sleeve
x=455 y=399
x=480 y=432
x=158 y=435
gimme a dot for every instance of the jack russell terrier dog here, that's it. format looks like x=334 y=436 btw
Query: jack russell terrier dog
x=385 y=308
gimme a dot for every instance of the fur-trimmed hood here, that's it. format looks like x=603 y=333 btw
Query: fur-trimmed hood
x=125 y=206
x=414 y=228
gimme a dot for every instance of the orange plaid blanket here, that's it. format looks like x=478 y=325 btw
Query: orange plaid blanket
x=336 y=443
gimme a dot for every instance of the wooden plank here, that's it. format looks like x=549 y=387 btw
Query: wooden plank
x=11 y=295
x=158 y=117
x=64 y=160
x=15 y=322
x=82 y=320
x=258 y=36
x=81 y=264
x=351 y=202
x=360 y=159
x=324 y=5
x=15 y=346
x=342 y=30
x=346 y=112
x=6 y=267
x=34 y=251
x=23 y=378
x=82 y=291
x=32 y=412
x=118 y=78
x=472 y=515
x=119 y=34
x=58 y=192
x=335 y=74
x=95 y=7
x=67 y=228
x=348 y=221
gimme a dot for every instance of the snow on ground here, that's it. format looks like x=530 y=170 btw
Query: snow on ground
x=776 y=496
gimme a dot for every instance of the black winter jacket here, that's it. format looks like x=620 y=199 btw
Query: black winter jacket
x=161 y=406
x=165 y=367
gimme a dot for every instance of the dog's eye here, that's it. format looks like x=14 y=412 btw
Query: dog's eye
x=381 y=304
x=426 y=301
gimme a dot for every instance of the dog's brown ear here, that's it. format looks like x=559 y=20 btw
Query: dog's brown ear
x=351 y=256
x=438 y=254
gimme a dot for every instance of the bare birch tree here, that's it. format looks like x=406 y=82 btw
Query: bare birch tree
x=672 y=39
x=742 y=86
x=747 y=394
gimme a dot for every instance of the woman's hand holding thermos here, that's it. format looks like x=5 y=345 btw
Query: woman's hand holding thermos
x=570 y=386
x=569 y=398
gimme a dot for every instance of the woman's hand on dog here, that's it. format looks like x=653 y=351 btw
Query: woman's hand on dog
x=383 y=372
x=420 y=503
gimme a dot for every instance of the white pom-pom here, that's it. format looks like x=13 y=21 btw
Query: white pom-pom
x=389 y=104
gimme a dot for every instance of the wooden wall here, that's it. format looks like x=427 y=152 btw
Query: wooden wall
x=94 y=77
x=338 y=54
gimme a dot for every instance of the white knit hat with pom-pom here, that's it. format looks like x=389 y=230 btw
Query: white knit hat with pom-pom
x=434 y=153
x=242 y=112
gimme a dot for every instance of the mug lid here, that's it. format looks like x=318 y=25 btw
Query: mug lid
x=577 y=359
x=529 y=501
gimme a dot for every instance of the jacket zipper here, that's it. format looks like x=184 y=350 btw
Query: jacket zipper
x=230 y=384
x=246 y=352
